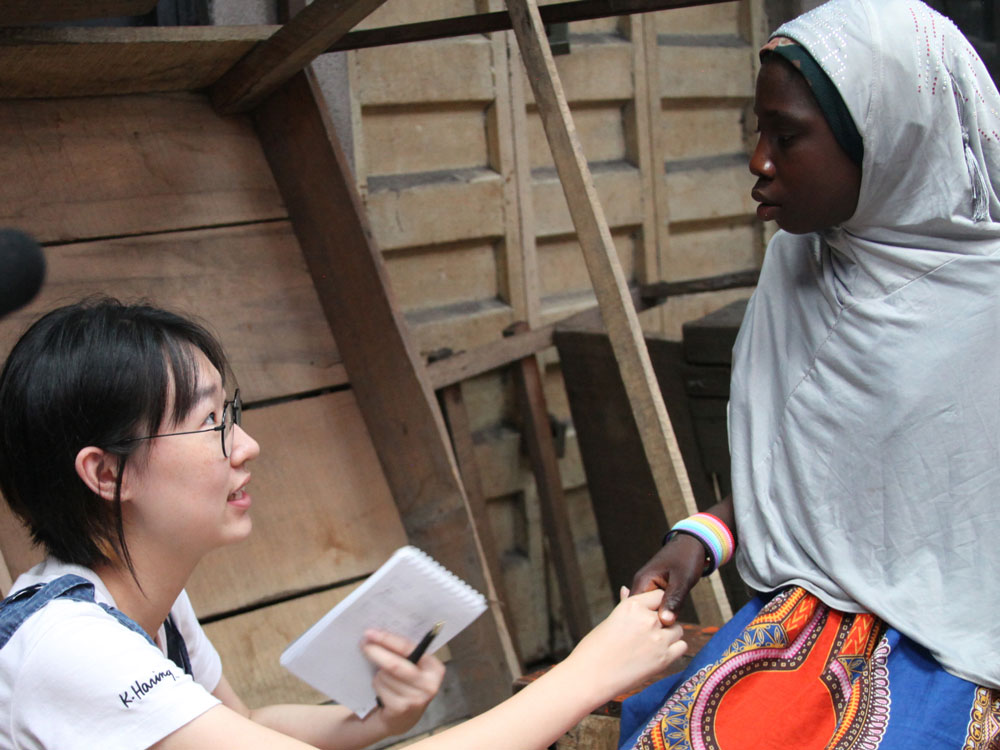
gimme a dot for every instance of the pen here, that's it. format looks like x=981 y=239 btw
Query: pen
x=424 y=643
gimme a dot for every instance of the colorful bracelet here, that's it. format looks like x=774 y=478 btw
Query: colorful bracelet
x=712 y=533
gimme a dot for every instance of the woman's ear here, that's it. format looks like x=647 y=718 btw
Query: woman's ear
x=99 y=470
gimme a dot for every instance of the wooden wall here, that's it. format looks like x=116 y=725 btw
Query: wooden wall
x=157 y=197
x=467 y=208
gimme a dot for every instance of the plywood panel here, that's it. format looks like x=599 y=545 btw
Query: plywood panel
x=595 y=71
x=457 y=273
x=322 y=509
x=562 y=268
x=461 y=326
x=73 y=169
x=601 y=130
x=40 y=62
x=723 y=18
x=698 y=71
x=701 y=250
x=445 y=71
x=703 y=128
x=449 y=209
x=618 y=186
x=714 y=191
x=426 y=139
x=249 y=283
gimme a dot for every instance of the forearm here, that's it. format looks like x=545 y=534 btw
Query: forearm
x=532 y=719
x=324 y=727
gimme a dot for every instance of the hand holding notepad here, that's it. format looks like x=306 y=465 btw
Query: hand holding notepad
x=408 y=596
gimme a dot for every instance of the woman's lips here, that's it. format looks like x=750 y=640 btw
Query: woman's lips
x=766 y=211
x=240 y=498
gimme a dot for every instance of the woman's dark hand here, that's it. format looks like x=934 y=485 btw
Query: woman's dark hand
x=676 y=568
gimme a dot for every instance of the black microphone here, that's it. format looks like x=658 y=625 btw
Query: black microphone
x=22 y=269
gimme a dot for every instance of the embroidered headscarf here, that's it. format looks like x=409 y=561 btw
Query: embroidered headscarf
x=865 y=404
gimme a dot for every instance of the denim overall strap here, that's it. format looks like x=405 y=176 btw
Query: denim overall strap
x=18 y=607
x=176 y=648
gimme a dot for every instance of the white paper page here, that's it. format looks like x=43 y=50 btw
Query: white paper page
x=408 y=595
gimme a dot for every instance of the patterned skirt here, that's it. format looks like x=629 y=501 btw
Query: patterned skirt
x=789 y=672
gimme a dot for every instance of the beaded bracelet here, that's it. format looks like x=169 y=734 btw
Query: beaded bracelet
x=712 y=533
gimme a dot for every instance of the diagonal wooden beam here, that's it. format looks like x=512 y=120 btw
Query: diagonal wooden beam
x=384 y=367
x=288 y=51
x=620 y=318
x=484 y=23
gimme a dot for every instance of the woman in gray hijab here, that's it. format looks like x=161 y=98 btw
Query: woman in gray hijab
x=865 y=409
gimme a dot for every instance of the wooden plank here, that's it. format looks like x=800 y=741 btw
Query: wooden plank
x=27 y=12
x=395 y=397
x=712 y=188
x=596 y=72
x=600 y=128
x=512 y=136
x=555 y=513
x=429 y=139
x=563 y=269
x=459 y=327
x=619 y=316
x=52 y=62
x=484 y=23
x=493 y=355
x=408 y=213
x=82 y=168
x=287 y=52
x=459 y=71
x=457 y=416
x=453 y=275
x=694 y=71
x=618 y=187
x=250 y=283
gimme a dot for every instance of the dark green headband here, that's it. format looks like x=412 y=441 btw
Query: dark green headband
x=829 y=99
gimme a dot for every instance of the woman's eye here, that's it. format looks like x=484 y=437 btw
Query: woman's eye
x=211 y=419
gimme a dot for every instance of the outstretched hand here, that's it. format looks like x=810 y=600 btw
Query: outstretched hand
x=403 y=688
x=675 y=569
x=631 y=646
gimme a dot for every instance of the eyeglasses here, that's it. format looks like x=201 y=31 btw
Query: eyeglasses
x=232 y=414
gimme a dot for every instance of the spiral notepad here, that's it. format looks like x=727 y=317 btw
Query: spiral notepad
x=408 y=595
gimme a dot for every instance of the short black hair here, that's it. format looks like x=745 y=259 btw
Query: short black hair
x=97 y=372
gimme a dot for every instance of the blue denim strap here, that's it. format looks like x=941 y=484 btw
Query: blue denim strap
x=18 y=607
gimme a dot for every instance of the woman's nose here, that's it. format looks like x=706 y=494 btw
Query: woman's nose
x=760 y=161
x=245 y=448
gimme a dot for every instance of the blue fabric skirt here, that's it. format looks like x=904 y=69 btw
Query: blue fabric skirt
x=789 y=672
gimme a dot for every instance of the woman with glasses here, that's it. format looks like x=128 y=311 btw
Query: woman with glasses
x=122 y=453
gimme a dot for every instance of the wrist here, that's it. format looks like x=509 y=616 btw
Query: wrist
x=714 y=535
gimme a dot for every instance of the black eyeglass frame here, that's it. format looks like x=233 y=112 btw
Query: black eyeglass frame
x=232 y=415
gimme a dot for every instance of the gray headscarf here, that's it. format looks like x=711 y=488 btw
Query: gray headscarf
x=865 y=408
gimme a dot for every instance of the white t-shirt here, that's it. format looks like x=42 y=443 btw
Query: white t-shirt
x=72 y=676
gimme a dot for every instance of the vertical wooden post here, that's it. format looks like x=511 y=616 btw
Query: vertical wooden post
x=555 y=515
x=457 y=417
x=613 y=297
x=386 y=374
